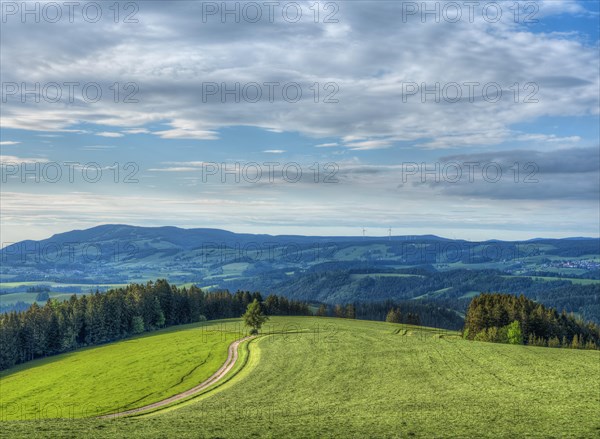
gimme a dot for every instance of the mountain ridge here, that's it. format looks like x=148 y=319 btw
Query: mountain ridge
x=111 y=228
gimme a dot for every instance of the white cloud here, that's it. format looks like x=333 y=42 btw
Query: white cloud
x=178 y=133
x=556 y=7
x=369 y=144
x=274 y=151
x=326 y=145
x=186 y=129
x=6 y=160
x=552 y=138
x=8 y=142
x=109 y=134
x=136 y=131
x=174 y=169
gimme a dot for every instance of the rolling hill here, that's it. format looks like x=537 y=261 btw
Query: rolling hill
x=319 y=377
x=563 y=273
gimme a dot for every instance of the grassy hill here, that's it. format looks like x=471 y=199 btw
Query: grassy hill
x=318 y=377
x=118 y=376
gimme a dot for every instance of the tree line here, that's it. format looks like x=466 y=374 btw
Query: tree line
x=504 y=318
x=87 y=320
x=331 y=283
x=411 y=312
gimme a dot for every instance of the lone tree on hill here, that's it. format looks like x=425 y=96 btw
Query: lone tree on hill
x=254 y=317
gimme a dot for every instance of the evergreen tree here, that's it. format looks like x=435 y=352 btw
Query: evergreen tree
x=322 y=311
x=393 y=316
x=137 y=325
x=575 y=342
x=350 y=311
x=554 y=342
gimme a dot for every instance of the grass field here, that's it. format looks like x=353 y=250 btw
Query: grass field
x=121 y=375
x=321 y=377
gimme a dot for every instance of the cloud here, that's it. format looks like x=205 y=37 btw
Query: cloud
x=568 y=173
x=369 y=144
x=8 y=142
x=136 y=131
x=551 y=138
x=559 y=161
x=365 y=62
x=7 y=160
x=174 y=169
x=109 y=134
x=186 y=129
x=274 y=151
x=559 y=7
x=187 y=134
x=370 y=59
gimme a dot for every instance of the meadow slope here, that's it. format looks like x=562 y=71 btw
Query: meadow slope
x=321 y=377
x=118 y=376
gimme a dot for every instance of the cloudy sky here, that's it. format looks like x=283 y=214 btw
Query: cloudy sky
x=474 y=122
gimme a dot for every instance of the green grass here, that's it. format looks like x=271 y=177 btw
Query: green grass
x=321 y=378
x=121 y=375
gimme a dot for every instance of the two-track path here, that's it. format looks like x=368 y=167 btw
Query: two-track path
x=232 y=357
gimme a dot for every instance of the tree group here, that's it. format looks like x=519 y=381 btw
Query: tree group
x=86 y=320
x=504 y=318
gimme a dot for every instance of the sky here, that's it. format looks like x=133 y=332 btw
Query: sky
x=316 y=118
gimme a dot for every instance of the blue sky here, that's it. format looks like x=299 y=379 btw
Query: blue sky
x=374 y=150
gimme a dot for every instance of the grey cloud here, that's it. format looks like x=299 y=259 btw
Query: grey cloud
x=560 y=161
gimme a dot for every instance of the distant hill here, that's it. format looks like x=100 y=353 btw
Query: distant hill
x=563 y=273
x=167 y=239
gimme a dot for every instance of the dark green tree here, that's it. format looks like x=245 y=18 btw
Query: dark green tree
x=350 y=311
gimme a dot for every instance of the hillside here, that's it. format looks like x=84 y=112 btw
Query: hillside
x=118 y=376
x=563 y=273
x=323 y=377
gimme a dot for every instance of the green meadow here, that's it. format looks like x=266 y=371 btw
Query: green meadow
x=310 y=377
x=118 y=376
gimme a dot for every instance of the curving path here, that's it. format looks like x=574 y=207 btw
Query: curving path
x=232 y=357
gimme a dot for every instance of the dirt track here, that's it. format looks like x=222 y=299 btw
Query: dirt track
x=232 y=357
